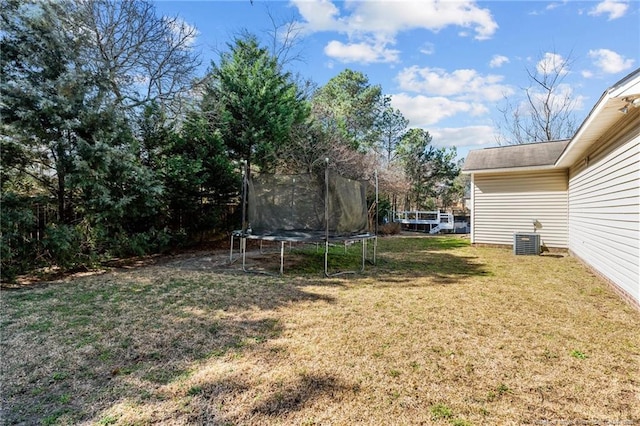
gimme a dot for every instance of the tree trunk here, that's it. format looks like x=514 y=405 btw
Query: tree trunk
x=62 y=215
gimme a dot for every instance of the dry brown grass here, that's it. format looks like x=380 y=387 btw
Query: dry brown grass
x=437 y=333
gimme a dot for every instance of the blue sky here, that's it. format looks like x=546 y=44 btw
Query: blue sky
x=446 y=64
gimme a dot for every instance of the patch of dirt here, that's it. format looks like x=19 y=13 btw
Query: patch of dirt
x=213 y=254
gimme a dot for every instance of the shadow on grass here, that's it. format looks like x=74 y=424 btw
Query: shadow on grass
x=295 y=396
x=292 y=397
x=121 y=338
x=398 y=261
x=442 y=267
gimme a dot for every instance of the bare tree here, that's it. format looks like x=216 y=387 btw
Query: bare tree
x=285 y=38
x=311 y=145
x=142 y=56
x=546 y=112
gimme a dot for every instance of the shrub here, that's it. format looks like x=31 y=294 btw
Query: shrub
x=18 y=248
x=139 y=244
x=392 y=228
x=70 y=246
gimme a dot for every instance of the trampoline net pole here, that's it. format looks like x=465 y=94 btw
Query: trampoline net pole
x=375 y=228
x=326 y=217
x=243 y=249
x=244 y=197
x=375 y=234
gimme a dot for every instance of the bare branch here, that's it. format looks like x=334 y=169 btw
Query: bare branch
x=143 y=57
x=286 y=39
x=547 y=110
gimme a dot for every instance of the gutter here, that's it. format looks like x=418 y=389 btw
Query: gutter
x=510 y=169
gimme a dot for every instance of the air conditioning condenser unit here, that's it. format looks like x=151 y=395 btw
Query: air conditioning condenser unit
x=526 y=243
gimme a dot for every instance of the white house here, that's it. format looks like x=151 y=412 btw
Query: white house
x=583 y=194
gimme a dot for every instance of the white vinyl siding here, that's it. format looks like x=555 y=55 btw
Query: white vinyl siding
x=604 y=211
x=505 y=203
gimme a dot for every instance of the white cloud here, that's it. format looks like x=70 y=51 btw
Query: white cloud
x=383 y=20
x=548 y=7
x=424 y=111
x=182 y=30
x=391 y=17
x=498 y=60
x=360 y=52
x=552 y=6
x=465 y=84
x=428 y=48
x=609 y=61
x=320 y=15
x=614 y=8
x=464 y=137
x=552 y=63
x=587 y=74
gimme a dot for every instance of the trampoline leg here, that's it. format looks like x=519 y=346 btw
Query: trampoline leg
x=231 y=250
x=326 y=254
x=364 y=242
x=281 y=257
x=243 y=250
x=375 y=248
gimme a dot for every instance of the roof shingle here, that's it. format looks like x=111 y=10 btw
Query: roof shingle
x=537 y=154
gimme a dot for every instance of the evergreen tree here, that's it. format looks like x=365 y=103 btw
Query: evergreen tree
x=430 y=170
x=200 y=178
x=45 y=89
x=69 y=138
x=255 y=103
x=392 y=126
x=349 y=105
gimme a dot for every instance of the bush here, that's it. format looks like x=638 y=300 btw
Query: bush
x=139 y=244
x=392 y=228
x=70 y=246
x=18 y=248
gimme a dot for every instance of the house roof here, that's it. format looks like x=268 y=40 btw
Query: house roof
x=522 y=157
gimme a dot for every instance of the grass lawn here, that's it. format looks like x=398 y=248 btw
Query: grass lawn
x=438 y=332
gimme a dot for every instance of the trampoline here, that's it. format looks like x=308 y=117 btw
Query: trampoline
x=305 y=208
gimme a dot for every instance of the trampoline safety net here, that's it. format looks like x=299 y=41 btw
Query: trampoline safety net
x=285 y=204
